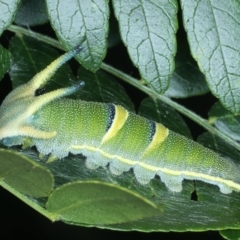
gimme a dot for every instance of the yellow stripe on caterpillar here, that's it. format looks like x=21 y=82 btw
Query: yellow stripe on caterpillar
x=160 y=135
x=172 y=178
x=121 y=115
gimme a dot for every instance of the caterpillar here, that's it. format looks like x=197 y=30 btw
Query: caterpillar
x=107 y=134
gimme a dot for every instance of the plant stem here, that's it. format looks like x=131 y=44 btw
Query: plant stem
x=27 y=32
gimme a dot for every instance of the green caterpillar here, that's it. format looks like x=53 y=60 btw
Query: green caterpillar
x=107 y=134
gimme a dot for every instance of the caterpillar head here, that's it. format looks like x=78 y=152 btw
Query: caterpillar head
x=21 y=103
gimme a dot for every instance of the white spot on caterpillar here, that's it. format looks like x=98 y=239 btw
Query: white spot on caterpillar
x=224 y=189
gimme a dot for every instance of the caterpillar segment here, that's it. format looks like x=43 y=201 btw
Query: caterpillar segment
x=108 y=134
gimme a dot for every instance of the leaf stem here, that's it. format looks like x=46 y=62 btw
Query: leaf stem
x=134 y=82
x=28 y=32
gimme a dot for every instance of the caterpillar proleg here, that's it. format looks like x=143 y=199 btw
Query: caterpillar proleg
x=108 y=134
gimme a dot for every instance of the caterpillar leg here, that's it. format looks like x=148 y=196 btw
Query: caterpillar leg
x=173 y=183
x=117 y=168
x=143 y=176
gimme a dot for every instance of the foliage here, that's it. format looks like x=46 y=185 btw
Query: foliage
x=169 y=64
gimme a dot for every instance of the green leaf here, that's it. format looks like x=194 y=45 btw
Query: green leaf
x=230 y=234
x=162 y=113
x=4 y=60
x=148 y=30
x=97 y=203
x=31 y=13
x=214 y=36
x=25 y=175
x=225 y=121
x=8 y=9
x=82 y=22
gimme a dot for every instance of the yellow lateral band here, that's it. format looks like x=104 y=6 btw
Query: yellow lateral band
x=192 y=175
x=160 y=135
x=121 y=115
